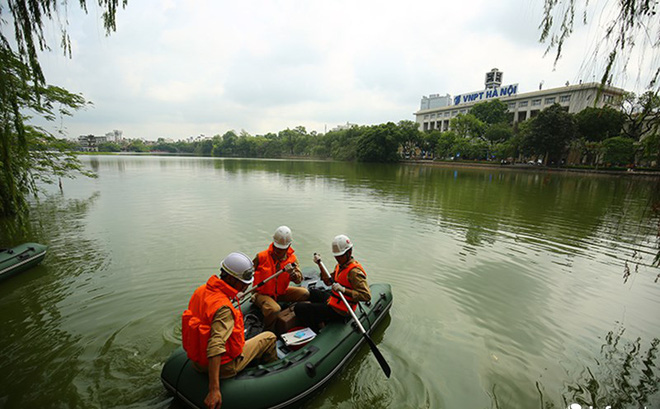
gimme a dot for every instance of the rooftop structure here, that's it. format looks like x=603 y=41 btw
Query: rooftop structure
x=574 y=98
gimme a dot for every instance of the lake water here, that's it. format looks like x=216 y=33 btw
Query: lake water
x=508 y=285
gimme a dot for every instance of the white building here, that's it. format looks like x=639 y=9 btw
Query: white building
x=114 y=136
x=343 y=127
x=89 y=143
x=574 y=98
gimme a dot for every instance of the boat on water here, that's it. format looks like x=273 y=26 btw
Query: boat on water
x=296 y=375
x=20 y=258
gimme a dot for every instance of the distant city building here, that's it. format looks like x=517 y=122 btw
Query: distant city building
x=343 y=127
x=573 y=98
x=89 y=143
x=435 y=101
x=199 y=138
x=114 y=136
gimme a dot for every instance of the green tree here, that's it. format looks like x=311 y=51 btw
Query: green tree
x=408 y=135
x=228 y=144
x=30 y=154
x=550 y=133
x=642 y=114
x=205 y=147
x=445 y=144
x=462 y=149
x=185 y=147
x=137 y=145
x=109 y=147
x=498 y=133
x=23 y=91
x=505 y=150
x=162 y=146
x=217 y=146
x=598 y=124
x=294 y=141
x=246 y=146
x=650 y=148
x=635 y=24
x=491 y=112
x=467 y=126
x=321 y=146
x=343 y=145
x=618 y=150
x=430 y=140
x=379 y=143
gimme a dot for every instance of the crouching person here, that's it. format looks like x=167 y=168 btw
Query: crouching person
x=279 y=255
x=348 y=278
x=212 y=328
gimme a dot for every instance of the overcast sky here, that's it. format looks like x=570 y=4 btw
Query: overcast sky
x=177 y=69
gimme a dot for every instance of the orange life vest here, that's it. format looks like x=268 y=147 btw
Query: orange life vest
x=341 y=277
x=267 y=267
x=197 y=319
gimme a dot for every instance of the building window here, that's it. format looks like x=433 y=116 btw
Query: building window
x=512 y=105
x=432 y=115
x=523 y=103
x=550 y=100
x=536 y=102
x=447 y=114
x=608 y=98
x=463 y=111
x=453 y=113
x=426 y=116
x=565 y=98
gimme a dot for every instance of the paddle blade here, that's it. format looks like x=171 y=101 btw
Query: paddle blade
x=379 y=357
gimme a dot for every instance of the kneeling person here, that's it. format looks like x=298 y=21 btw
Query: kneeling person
x=279 y=255
x=348 y=278
x=212 y=328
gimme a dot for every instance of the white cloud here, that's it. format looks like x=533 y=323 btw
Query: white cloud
x=180 y=68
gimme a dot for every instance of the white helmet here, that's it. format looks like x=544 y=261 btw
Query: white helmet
x=340 y=245
x=282 y=238
x=239 y=266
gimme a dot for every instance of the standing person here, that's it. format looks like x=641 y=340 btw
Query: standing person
x=212 y=328
x=279 y=255
x=348 y=278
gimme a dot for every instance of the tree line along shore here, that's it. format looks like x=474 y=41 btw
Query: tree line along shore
x=595 y=138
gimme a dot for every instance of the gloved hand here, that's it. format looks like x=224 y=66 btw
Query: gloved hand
x=336 y=287
x=317 y=258
x=289 y=268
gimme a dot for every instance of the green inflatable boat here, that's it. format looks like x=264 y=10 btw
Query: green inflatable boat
x=20 y=258
x=296 y=376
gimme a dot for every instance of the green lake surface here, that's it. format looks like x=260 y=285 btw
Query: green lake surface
x=508 y=286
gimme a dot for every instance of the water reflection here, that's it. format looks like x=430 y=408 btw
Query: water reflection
x=498 y=275
x=94 y=163
x=34 y=306
x=567 y=214
x=623 y=374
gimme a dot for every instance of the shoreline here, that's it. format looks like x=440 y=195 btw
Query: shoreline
x=422 y=162
x=528 y=168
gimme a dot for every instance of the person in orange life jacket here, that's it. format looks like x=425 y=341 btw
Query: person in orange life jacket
x=212 y=328
x=279 y=255
x=348 y=277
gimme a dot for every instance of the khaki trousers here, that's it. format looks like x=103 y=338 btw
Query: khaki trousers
x=260 y=347
x=270 y=308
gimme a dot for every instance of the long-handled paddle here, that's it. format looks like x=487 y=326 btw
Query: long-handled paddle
x=253 y=289
x=379 y=357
